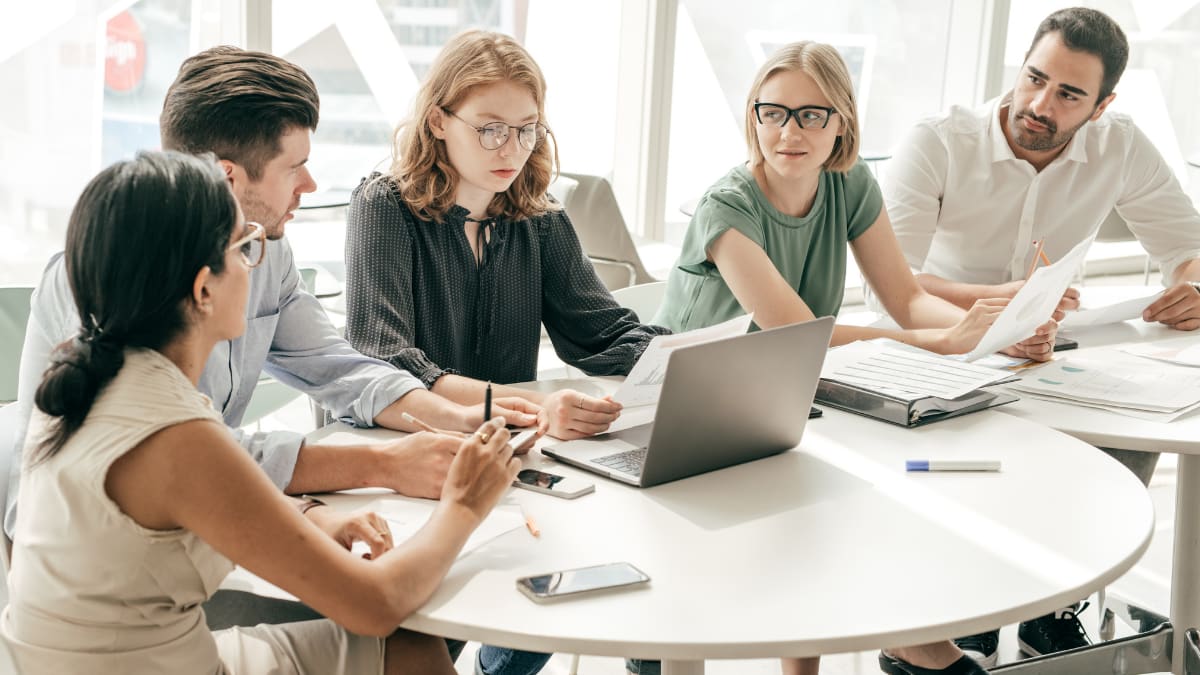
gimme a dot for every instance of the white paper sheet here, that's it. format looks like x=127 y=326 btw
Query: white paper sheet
x=1186 y=354
x=1117 y=382
x=406 y=517
x=1120 y=311
x=644 y=382
x=1033 y=305
x=908 y=374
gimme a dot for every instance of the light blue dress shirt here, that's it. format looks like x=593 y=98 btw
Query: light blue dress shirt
x=288 y=335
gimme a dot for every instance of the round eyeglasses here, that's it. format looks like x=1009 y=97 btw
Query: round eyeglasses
x=494 y=135
x=252 y=245
x=807 y=116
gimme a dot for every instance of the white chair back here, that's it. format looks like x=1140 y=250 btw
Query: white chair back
x=14 y=315
x=643 y=299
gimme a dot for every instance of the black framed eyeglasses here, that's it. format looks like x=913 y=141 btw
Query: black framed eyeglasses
x=253 y=245
x=493 y=135
x=807 y=116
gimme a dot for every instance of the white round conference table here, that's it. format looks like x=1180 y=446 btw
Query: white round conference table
x=830 y=547
x=1113 y=430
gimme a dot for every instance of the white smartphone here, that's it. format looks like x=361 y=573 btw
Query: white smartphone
x=523 y=439
x=553 y=484
x=554 y=585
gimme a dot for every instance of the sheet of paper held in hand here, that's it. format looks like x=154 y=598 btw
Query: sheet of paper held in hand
x=1114 y=313
x=907 y=374
x=644 y=382
x=1033 y=305
x=405 y=517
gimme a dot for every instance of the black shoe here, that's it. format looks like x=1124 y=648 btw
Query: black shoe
x=963 y=666
x=981 y=647
x=1053 y=633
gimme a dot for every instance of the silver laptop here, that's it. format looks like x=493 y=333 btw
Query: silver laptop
x=722 y=403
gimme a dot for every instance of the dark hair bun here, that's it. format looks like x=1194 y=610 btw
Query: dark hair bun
x=78 y=370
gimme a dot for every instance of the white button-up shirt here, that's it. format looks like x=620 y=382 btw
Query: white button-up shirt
x=966 y=209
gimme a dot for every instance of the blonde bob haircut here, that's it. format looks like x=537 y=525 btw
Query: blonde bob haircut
x=825 y=66
x=420 y=164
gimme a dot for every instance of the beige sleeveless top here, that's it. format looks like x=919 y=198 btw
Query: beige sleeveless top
x=91 y=590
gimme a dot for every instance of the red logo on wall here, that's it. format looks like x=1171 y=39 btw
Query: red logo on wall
x=124 y=54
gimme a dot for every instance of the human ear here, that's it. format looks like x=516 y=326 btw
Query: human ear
x=1102 y=106
x=437 y=123
x=201 y=296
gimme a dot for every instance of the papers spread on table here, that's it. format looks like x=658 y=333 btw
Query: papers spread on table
x=644 y=382
x=1033 y=305
x=1118 y=383
x=905 y=373
x=1120 y=311
x=406 y=516
x=1176 y=352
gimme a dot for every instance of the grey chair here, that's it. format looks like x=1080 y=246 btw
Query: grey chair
x=1191 y=652
x=590 y=203
x=14 y=315
x=1115 y=229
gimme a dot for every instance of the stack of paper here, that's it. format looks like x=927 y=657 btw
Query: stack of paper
x=905 y=373
x=406 y=516
x=1120 y=384
x=1177 y=352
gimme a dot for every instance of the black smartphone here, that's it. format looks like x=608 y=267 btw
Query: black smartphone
x=544 y=587
x=1062 y=344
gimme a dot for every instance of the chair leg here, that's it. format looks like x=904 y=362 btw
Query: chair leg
x=574 y=665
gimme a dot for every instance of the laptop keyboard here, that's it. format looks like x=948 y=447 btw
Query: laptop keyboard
x=627 y=461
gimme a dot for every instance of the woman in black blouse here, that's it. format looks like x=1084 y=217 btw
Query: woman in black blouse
x=456 y=256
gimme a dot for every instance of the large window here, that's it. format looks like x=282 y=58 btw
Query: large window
x=83 y=85
x=368 y=58
x=1159 y=86
x=897 y=54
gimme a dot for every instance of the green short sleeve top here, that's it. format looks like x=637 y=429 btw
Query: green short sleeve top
x=810 y=251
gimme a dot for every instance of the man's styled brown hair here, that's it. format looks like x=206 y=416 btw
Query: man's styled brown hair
x=1091 y=31
x=237 y=104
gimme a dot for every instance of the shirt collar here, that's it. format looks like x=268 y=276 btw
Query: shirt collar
x=1076 y=150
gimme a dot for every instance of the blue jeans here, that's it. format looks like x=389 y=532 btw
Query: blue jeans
x=503 y=661
x=640 y=667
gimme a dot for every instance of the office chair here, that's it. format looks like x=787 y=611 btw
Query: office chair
x=1191 y=652
x=643 y=299
x=1114 y=229
x=14 y=315
x=592 y=207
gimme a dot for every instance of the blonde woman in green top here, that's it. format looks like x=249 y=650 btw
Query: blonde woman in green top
x=770 y=237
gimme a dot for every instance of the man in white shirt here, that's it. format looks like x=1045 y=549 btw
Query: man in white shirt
x=969 y=193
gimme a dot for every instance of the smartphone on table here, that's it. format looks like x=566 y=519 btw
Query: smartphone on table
x=566 y=487
x=1062 y=344
x=575 y=582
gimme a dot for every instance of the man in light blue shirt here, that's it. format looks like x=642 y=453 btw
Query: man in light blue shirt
x=256 y=113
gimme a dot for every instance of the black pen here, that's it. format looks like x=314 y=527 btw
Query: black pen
x=487 y=402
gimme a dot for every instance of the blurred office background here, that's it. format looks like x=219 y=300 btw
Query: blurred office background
x=647 y=93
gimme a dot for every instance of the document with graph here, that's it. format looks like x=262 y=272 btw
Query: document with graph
x=644 y=382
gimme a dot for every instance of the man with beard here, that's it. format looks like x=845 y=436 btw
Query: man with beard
x=971 y=192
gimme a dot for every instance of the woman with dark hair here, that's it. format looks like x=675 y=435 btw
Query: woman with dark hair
x=135 y=495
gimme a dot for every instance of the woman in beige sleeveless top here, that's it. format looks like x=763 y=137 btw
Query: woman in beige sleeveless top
x=136 y=500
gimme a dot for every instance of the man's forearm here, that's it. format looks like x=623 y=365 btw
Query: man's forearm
x=468 y=391
x=327 y=468
x=957 y=293
x=1188 y=271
